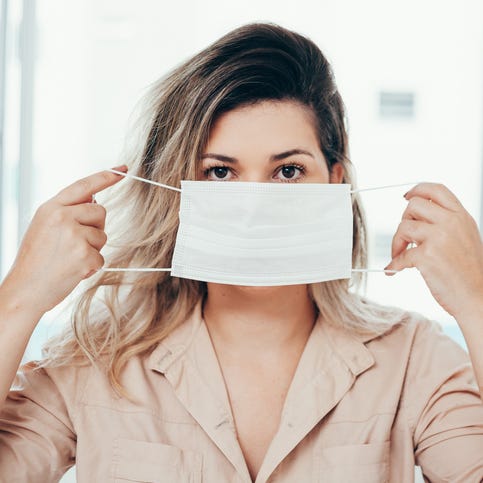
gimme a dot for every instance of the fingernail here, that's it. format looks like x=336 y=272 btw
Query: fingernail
x=391 y=271
x=92 y=272
x=122 y=168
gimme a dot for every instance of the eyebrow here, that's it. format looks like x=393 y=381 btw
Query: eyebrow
x=273 y=157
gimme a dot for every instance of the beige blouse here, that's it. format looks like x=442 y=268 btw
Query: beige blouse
x=362 y=410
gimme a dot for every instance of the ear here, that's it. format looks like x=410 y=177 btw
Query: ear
x=336 y=173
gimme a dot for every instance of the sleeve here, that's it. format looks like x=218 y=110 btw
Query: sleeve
x=37 y=438
x=445 y=409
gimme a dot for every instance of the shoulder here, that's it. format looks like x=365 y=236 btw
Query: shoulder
x=420 y=347
x=50 y=385
x=421 y=341
x=436 y=372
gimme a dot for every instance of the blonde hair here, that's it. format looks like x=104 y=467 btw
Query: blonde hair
x=120 y=316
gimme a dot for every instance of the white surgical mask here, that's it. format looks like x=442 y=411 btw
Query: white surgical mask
x=261 y=234
x=244 y=233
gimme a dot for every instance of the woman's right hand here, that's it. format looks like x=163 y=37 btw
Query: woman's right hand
x=61 y=245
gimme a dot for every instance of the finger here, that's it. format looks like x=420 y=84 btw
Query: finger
x=82 y=190
x=406 y=259
x=89 y=214
x=408 y=231
x=95 y=263
x=95 y=237
x=436 y=192
x=422 y=209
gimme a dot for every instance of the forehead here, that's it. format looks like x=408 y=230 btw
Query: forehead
x=266 y=122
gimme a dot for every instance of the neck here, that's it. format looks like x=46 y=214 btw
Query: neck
x=258 y=321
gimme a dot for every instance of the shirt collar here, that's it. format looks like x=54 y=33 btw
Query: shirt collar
x=350 y=347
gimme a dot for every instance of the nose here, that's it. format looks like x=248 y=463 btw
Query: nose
x=255 y=175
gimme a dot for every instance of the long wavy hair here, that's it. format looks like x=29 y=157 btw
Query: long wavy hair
x=123 y=315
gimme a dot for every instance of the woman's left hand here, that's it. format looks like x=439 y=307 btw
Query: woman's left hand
x=448 y=251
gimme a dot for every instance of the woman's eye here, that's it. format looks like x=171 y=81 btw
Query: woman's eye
x=289 y=172
x=217 y=172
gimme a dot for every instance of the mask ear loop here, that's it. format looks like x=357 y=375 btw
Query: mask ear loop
x=378 y=187
x=126 y=175
x=366 y=270
x=155 y=183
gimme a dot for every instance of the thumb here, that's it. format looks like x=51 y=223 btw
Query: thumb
x=406 y=259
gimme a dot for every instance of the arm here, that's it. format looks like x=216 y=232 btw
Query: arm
x=37 y=436
x=443 y=409
x=60 y=248
x=449 y=256
x=17 y=322
x=471 y=324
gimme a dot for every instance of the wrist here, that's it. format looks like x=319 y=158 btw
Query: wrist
x=16 y=301
x=471 y=316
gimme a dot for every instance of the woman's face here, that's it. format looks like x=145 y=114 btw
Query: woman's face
x=272 y=141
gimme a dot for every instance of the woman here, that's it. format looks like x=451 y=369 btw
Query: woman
x=164 y=378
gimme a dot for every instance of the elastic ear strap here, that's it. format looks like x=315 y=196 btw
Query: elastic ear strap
x=374 y=270
x=373 y=189
x=144 y=180
x=169 y=270
x=108 y=269
x=383 y=187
